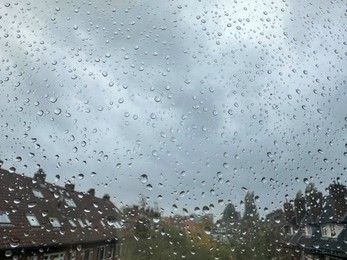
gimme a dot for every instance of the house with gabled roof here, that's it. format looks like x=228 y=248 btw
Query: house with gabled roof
x=322 y=232
x=40 y=220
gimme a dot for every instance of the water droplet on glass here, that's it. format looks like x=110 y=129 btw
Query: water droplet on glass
x=143 y=178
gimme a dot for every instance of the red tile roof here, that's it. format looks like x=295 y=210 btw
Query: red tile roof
x=17 y=199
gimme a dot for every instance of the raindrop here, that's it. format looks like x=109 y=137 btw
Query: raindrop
x=57 y=111
x=32 y=204
x=143 y=178
x=14 y=243
x=207 y=230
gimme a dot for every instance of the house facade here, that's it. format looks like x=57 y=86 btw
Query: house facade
x=316 y=229
x=40 y=220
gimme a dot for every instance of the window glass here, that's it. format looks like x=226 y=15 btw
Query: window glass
x=72 y=223
x=4 y=218
x=101 y=253
x=82 y=224
x=37 y=193
x=32 y=220
x=55 y=222
x=174 y=129
x=70 y=202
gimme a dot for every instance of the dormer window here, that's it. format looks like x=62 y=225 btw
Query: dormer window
x=308 y=231
x=331 y=230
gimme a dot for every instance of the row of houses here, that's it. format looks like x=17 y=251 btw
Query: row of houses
x=40 y=220
x=312 y=226
x=316 y=225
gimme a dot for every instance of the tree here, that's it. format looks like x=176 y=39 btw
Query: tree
x=230 y=214
x=251 y=212
x=314 y=201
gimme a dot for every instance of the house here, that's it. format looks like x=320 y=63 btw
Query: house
x=220 y=234
x=40 y=220
x=318 y=228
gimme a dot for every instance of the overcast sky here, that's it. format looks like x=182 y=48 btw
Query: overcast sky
x=207 y=99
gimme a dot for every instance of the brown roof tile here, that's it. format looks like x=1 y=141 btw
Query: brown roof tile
x=17 y=199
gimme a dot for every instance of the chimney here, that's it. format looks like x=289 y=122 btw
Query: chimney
x=314 y=205
x=40 y=176
x=69 y=186
x=92 y=192
x=299 y=208
x=106 y=197
x=338 y=193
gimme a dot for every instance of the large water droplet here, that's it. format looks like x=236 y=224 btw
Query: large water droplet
x=144 y=178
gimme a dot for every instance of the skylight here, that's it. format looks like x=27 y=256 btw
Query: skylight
x=114 y=223
x=81 y=223
x=117 y=224
x=72 y=223
x=88 y=222
x=33 y=220
x=4 y=219
x=55 y=222
x=37 y=193
x=70 y=203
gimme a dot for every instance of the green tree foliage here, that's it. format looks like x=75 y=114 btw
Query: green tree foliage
x=168 y=242
x=230 y=214
x=147 y=239
x=251 y=212
x=255 y=238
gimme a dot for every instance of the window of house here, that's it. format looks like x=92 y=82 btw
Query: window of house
x=117 y=224
x=87 y=254
x=37 y=193
x=55 y=222
x=70 y=202
x=331 y=230
x=82 y=224
x=4 y=219
x=173 y=108
x=117 y=252
x=308 y=231
x=114 y=223
x=32 y=220
x=101 y=253
x=72 y=223
x=110 y=252
x=73 y=255
x=54 y=256
x=325 y=230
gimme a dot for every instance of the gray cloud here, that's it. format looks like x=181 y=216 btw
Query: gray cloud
x=207 y=100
